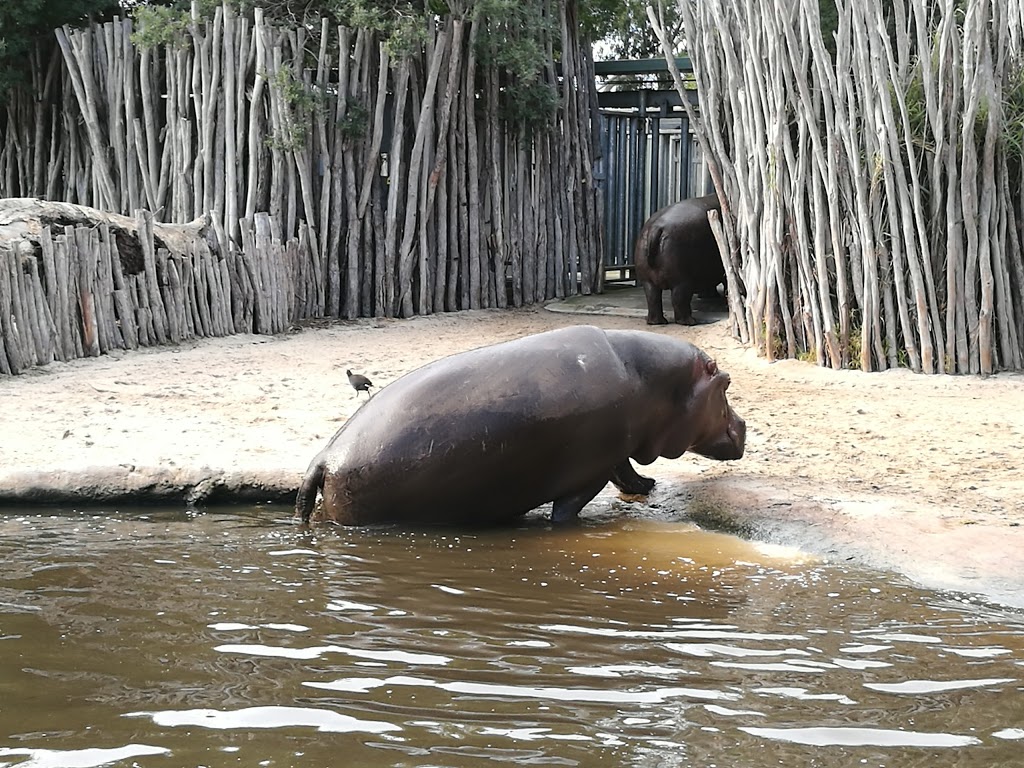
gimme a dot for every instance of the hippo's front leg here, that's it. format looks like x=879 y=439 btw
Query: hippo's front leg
x=628 y=480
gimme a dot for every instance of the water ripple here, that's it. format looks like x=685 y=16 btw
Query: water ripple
x=315 y=652
x=618 y=670
x=553 y=693
x=229 y=626
x=802 y=695
x=662 y=634
x=80 y=758
x=861 y=737
x=794 y=665
x=1010 y=733
x=266 y=717
x=936 y=686
x=708 y=650
x=533 y=734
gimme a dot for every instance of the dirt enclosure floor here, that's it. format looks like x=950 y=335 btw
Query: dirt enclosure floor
x=916 y=474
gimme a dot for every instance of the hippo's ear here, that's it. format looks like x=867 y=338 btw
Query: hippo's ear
x=718 y=377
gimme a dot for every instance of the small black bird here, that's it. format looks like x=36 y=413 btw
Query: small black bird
x=359 y=383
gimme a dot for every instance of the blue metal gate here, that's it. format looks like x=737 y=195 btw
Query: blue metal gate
x=649 y=159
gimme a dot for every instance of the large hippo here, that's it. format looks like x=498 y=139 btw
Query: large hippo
x=485 y=436
x=676 y=250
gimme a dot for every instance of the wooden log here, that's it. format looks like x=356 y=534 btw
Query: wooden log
x=155 y=304
x=497 y=187
x=78 y=57
x=441 y=261
x=256 y=314
x=147 y=336
x=397 y=176
x=78 y=244
x=377 y=136
x=108 y=254
x=193 y=298
x=227 y=289
x=25 y=309
x=251 y=289
x=96 y=253
x=417 y=175
x=13 y=360
x=46 y=328
x=472 y=177
x=63 y=309
x=520 y=236
x=526 y=211
x=202 y=293
x=557 y=269
x=304 y=248
x=263 y=256
x=456 y=263
x=126 y=317
x=214 y=289
x=253 y=139
x=53 y=294
x=1015 y=275
x=545 y=289
x=173 y=297
x=5 y=364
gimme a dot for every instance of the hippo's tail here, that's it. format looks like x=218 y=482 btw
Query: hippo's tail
x=311 y=485
x=647 y=246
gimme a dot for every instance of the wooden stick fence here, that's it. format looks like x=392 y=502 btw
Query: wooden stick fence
x=873 y=198
x=86 y=290
x=393 y=186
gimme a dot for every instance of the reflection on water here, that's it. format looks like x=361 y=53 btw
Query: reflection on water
x=157 y=639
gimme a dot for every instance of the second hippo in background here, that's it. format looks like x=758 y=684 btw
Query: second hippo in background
x=677 y=251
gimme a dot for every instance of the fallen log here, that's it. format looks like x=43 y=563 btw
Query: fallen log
x=76 y=281
x=24 y=219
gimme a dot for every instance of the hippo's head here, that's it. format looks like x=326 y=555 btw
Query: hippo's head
x=720 y=433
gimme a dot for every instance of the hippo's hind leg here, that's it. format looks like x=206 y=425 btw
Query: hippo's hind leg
x=628 y=480
x=681 y=296
x=655 y=308
x=567 y=508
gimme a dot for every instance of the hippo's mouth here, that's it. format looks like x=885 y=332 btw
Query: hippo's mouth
x=728 y=446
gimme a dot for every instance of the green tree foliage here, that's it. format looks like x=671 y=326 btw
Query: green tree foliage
x=24 y=23
x=513 y=38
x=513 y=35
x=623 y=31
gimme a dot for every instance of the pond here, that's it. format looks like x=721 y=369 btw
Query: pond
x=233 y=638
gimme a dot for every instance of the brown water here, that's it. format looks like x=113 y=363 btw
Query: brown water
x=234 y=639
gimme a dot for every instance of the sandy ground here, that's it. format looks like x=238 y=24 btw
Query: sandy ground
x=911 y=473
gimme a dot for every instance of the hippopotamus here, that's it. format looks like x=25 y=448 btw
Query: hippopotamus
x=485 y=436
x=676 y=250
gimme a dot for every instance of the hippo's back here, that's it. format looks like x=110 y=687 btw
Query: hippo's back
x=521 y=414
